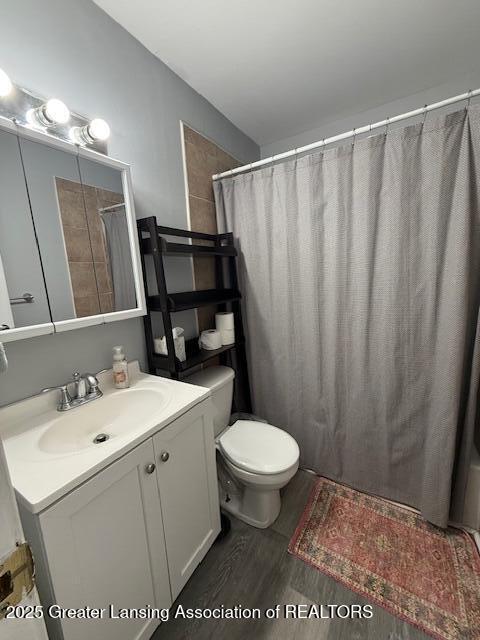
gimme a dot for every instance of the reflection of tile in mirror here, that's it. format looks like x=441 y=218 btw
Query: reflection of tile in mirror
x=77 y=242
x=83 y=279
x=87 y=306
x=97 y=199
x=70 y=199
x=104 y=283
x=106 y=302
x=97 y=243
x=85 y=244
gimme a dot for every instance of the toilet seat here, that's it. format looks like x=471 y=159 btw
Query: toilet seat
x=258 y=447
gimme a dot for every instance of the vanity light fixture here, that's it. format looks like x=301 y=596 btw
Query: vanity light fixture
x=50 y=117
x=5 y=84
x=95 y=131
x=50 y=113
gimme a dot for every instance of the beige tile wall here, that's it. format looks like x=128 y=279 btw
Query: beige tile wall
x=86 y=251
x=203 y=158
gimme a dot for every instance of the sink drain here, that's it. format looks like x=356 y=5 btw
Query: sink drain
x=102 y=437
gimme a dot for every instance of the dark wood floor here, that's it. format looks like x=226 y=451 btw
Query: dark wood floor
x=251 y=567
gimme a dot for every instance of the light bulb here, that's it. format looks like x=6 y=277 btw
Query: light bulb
x=98 y=129
x=95 y=131
x=5 y=84
x=57 y=112
x=50 y=113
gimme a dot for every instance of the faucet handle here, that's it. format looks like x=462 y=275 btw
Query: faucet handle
x=80 y=385
x=60 y=387
x=92 y=382
x=65 y=398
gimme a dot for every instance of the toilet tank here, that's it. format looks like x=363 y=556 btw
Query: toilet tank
x=220 y=381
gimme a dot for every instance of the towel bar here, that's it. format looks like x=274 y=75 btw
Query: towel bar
x=26 y=298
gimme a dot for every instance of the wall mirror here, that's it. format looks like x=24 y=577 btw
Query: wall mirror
x=23 y=295
x=68 y=241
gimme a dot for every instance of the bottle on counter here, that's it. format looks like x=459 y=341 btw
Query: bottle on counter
x=120 y=368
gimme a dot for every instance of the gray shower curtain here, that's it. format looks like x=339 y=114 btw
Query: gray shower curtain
x=360 y=268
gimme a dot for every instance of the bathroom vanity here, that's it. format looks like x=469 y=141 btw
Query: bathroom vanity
x=124 y=522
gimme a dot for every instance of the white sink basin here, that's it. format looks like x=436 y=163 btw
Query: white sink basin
x=50 y=453
x=112 y=416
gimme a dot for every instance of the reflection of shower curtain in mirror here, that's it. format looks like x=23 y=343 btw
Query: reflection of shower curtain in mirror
x=116 y=234
x=360 y=273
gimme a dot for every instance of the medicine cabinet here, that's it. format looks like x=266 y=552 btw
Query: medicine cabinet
x=68 y=243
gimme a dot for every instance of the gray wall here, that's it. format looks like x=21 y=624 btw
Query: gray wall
x=331 y=126
x=70 y=49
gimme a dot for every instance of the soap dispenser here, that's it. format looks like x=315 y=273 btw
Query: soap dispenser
x=120 y=368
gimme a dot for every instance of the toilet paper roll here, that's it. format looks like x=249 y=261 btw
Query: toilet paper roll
x=224 y=320
x=210 y=340
x=160 y=344
x=227 y=336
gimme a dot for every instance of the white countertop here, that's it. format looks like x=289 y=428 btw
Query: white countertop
x=40 y=478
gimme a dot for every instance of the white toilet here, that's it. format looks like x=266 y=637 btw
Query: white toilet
x=259 y=459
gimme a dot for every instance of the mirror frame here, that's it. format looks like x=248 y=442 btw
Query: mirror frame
x=51 y=327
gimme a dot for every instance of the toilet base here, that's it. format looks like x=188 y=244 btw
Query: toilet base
x=255 y=507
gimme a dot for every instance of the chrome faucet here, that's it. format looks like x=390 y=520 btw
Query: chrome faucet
x=85 y=390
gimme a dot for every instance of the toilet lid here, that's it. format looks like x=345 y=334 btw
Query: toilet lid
x=259 y=447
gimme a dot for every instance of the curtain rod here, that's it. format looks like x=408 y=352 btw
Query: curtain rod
x=349 y=134
x=112 y=207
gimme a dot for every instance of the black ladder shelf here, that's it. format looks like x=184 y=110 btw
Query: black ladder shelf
x=220 y=247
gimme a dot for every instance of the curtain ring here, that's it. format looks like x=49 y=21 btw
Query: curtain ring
x=272 y=163
x=387 y=124
x=424 y=114
x=469 y=99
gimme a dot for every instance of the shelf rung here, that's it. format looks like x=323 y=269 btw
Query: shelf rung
x=178 y=249
x=184 y=233
x=193 y=299
x=194 y=358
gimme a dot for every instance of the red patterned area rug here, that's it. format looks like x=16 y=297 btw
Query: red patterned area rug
x=427 y=576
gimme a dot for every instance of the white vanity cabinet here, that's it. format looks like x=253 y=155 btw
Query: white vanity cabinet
x=131 y=535
x=187 y=481
x=104 y=545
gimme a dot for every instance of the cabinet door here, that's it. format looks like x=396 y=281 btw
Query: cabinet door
x=65 y=250
x=21 y=265
x=105 y=545
x=187 y=480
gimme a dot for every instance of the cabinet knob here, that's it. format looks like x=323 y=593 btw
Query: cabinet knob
x=164 y=456
x=150 y=468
